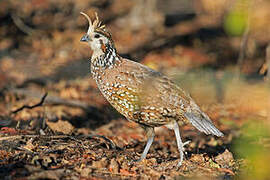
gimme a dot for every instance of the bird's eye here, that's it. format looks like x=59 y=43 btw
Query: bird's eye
x=97 y=36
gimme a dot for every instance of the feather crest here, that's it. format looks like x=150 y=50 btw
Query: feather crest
x=96 y=25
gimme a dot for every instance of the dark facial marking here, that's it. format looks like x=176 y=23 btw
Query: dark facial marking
x=104 y=33
x=97 y=36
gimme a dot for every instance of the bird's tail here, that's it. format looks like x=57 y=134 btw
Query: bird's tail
x=201 y=121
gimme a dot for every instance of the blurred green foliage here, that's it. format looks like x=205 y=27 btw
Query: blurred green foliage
x=254 y=146
x=236 y=20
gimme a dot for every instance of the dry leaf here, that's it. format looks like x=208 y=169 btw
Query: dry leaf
x=61 y=126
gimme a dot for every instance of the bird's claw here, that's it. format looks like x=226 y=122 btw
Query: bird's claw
x=184 y=144
x=137 y=160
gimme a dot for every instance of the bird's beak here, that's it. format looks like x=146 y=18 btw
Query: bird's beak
x=85 y=38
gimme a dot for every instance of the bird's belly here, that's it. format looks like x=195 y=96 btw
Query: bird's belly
x=135 y=105
x=124 y=99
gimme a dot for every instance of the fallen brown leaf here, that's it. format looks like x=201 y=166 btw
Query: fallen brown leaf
x=61 y=126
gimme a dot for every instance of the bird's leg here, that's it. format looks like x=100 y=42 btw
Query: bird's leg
x=150 y=133
x=179 y=142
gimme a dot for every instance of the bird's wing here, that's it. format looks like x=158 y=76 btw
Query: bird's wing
x=160 y=99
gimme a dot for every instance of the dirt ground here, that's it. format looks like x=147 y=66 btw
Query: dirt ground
x=55 y=124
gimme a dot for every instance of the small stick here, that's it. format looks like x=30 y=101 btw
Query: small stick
x=268 y=62
x=55 y=100
x=31 y=107
x=267 y=79
x=242 y=52
x=5 y=138
x=20 y=24
x=113 y=146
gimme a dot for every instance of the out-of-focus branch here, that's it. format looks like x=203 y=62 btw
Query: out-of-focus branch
x=20 y=24
x=53 y=99
x=242 y=52
x=31 y=107
x=267 y=61
x=169 y=34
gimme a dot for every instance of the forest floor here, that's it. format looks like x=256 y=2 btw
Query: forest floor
x=65 y=138
x=55 y=124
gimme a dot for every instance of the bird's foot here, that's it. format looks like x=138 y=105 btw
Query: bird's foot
x=182 y=154
x=184 y=144
x=131 y=162
x=137 y=160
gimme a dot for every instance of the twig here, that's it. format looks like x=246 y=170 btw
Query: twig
x=226 y=171
x=53 y=99
x=20 y=24
x=6 y=138
x=242 y=52
x=244 y=41
x=268 y=74
x=113 y=146
x=33 y=136
x=267 y=61
x=26 y=150
x=169 y=34
x=31 y=107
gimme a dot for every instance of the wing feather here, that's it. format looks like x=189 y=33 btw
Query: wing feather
x=157 y=90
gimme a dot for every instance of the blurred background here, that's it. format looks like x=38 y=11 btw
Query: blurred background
x=217 y=50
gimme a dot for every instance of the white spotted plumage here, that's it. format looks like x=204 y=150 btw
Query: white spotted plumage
x=140 y=93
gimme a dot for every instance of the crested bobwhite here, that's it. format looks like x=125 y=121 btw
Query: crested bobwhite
x=139 y=93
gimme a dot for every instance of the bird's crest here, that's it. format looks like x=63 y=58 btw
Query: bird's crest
x=96 y=26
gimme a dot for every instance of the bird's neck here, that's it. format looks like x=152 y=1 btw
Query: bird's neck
x=106 y=57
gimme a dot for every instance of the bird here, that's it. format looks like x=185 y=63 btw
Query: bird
x=141 y=94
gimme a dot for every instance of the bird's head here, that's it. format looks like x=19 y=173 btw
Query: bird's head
x=97 y=36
